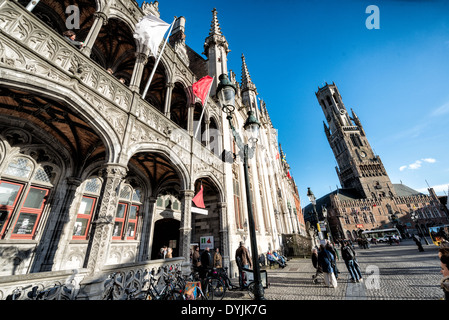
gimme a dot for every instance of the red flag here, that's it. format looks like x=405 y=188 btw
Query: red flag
x=277 y=156
x=198 y=199
x=288 y=175
x=201 y=88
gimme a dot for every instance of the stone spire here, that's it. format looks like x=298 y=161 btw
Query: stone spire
x=247 y=83
x=248 y=89
x=215 y=36
x=215 y=25
x=216 y=49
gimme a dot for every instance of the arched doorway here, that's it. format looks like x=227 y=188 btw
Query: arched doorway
x=208 y=226
x=166 y=233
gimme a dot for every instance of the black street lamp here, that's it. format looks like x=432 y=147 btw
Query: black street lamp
x=328 y=227
x=226 y=95
x=415 y=217
x=312 y=200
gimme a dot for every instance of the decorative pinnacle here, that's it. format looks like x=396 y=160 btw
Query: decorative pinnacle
x=247 y=83
x=215 y=26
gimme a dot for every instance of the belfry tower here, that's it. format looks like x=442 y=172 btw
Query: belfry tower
x=358 y=167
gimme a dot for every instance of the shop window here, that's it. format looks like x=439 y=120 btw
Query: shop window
x=127 y=213
x=9 y=195
x=30 y=213
x=24 y=191
x=86 y=209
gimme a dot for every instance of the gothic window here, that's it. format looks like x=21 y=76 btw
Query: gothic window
x=347 y=221
x=24 y=190
x=436 y=212
x=165 y=202
x=328 y=99
x=356 y=219
x=323 y=103
x=371 y=216
x=365 y=218
x=127 y=213
x=253 y=206
x=86 y=209
x=420 y=214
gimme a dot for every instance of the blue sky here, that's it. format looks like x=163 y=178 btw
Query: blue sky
x=395 y=78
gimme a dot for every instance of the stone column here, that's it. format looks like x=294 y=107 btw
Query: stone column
x=168 y=93
x=100 y=20
x=206 y=132
x=186 y=228
x=136 y=77
x=224 y=238
x=146 y=235
x=191 y=111
x=100 y=240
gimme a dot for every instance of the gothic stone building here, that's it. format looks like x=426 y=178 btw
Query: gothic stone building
x=367 y=199
x=95 y=178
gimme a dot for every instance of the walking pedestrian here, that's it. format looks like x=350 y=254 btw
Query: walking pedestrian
x=325 y=259
x=331 y=249
x=443 y=254
x=316 y=265
x=417 y=240
x=348 y=254
x=243 y=261
x=218 y=260
x=196 y=262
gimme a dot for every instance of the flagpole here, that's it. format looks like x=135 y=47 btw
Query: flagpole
x=204 y=107
x=157 y=61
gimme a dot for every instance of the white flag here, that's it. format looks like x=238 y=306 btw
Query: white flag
x=150 y=31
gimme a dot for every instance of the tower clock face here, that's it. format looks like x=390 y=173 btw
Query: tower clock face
x=363 y=154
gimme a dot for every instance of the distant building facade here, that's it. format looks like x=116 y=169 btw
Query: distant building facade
x=367 y=199
x=95 y=178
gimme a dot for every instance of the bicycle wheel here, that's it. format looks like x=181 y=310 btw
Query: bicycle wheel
x=215 y=289
x=174 y=295
x=251 y=288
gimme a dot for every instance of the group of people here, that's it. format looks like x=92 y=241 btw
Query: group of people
x=165 y=253
x=275 y=257
x=324 y=259
x=205 y=261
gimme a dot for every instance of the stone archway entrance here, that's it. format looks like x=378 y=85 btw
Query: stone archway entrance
x=208 y=226
x=166 y=233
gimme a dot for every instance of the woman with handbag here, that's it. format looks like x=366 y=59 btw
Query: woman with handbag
x=325 y=260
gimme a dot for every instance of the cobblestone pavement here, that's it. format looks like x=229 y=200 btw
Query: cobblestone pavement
x=396 y=272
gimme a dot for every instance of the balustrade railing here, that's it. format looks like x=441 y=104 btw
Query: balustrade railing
x=111 y=283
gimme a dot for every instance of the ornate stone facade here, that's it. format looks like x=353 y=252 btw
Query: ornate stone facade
x=95 y=177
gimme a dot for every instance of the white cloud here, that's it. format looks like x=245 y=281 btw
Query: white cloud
x=440 y=189
x=429 y=160
x=417 y=164
x=442 y=110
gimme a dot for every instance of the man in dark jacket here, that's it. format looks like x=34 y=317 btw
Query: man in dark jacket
x=244 y=256
x=348 y=255
x=206 y=259
x=243 y=260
